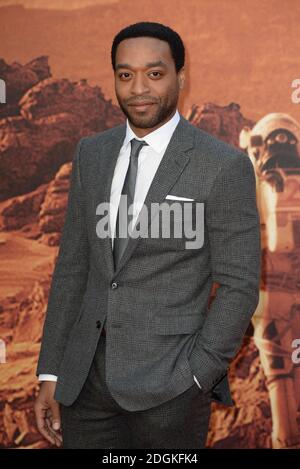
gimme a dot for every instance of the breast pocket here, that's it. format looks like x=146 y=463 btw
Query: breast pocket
x=178 y=225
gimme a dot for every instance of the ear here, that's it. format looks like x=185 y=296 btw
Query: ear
x=181 y=77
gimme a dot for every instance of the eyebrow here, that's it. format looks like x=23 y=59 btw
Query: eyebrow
x=159 y=63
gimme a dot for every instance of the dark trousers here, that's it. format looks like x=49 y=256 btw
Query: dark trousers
x=95 y=420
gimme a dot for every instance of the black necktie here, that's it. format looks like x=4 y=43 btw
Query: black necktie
x=128 y=189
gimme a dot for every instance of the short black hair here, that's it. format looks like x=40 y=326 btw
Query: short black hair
x=156 y=30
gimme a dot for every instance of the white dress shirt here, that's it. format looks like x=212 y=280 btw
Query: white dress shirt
x=149 y=159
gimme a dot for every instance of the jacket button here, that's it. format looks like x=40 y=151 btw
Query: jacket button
x=114 y=285
x=98 y=324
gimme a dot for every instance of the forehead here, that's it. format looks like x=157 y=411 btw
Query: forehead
x=137 y=51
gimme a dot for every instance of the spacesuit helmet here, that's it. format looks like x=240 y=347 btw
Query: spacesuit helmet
x=273 y=142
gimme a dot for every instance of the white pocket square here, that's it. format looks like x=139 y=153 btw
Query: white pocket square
x=175 y=197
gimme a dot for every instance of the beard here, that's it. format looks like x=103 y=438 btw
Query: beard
x=160 y=112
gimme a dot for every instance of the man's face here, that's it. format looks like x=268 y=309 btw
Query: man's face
x=146 y=73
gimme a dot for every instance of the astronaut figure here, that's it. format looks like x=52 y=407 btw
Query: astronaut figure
x=273 y=146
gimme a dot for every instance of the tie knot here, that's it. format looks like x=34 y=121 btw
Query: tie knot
x=136 y=146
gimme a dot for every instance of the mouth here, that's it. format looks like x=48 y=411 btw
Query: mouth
x=142 y=106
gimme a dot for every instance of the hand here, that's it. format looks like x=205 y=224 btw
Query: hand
x=47 y=413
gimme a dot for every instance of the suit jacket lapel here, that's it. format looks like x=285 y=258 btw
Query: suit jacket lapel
x=172 y=164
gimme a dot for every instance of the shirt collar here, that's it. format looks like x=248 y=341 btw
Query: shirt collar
x=159 y=138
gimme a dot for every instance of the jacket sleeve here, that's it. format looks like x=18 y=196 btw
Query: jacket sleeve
x=69 y=278
x=233 y=228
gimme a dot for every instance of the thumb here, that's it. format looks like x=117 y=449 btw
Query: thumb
x=55 y=415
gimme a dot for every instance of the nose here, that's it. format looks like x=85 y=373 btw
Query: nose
x=139 y=84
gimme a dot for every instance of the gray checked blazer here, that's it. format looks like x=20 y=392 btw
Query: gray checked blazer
x=160 y=328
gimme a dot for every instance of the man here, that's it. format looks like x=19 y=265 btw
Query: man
x=137 y=353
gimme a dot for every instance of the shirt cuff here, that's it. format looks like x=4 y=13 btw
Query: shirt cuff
x=46 y=377
x=197 y=382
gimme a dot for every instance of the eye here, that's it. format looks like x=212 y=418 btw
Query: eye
x=123 y=73
x=156 y=76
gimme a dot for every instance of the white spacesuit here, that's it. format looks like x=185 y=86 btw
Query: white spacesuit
x=273 y=146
